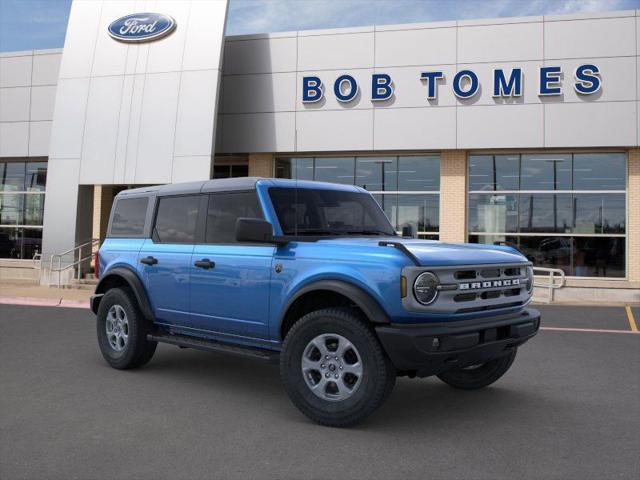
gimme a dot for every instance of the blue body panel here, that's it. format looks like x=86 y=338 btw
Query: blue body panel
x=244 y=299
x=233 y=297
x=167 y=283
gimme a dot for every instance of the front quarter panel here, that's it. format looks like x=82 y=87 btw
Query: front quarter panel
x=300 y=264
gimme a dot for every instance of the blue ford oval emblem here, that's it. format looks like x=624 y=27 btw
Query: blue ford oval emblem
x=141 y=27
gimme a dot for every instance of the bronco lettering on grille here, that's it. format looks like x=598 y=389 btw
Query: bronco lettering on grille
x=490 y=284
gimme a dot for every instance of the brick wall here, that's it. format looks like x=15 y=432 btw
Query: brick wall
x=102 y=201
x=261 y=165
x=453 y=196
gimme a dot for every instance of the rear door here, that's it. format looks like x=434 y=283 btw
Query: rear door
x=230 y=281
x=165 y=258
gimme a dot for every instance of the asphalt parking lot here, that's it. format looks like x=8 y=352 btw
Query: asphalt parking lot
x=568 y=409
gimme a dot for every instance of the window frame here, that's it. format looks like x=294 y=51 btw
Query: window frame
x=199 y=230
x=144 y=234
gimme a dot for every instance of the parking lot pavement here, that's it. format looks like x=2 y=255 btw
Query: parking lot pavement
x=590 y=317
x=568 y=409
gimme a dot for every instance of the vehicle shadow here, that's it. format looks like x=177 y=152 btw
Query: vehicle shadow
x=414 y=404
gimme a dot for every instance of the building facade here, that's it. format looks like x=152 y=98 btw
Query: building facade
x=522 y=131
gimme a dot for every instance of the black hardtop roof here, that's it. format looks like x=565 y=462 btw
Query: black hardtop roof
x=208 y=186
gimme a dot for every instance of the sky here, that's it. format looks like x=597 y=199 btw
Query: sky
x=34 y=24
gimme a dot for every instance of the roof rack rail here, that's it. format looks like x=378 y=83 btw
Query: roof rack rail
x=402 y=247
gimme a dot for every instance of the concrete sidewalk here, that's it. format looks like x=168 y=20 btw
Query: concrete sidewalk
x=17 y=293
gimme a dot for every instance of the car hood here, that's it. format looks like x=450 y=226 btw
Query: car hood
x=434 y=253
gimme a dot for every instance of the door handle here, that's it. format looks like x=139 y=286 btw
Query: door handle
x=149 y=260
x=205 y=263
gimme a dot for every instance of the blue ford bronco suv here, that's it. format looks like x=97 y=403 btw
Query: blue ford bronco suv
x=313 y=275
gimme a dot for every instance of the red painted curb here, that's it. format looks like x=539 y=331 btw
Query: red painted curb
x=44 y=302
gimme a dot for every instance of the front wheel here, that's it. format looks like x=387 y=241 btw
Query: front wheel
x=334 y=369
x=481 y=375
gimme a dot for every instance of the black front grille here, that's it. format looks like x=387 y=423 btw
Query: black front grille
x=490 y=273
x=465 y=275
x=485 y=308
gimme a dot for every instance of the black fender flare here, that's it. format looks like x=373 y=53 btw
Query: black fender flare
x=134 y=282
x=363 y=300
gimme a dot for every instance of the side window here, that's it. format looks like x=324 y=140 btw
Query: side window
x=129 y=216
x=176 y=219
x=224 y=210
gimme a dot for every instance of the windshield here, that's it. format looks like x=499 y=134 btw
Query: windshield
x=317 y=212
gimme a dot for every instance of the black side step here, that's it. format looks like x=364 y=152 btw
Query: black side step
x=215 y=346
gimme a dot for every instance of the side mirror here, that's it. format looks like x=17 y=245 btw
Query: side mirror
x=407 y=231
x=254 y=230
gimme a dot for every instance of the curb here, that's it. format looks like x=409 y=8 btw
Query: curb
x=44 y=302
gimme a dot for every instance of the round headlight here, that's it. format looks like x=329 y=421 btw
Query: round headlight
x=529 y=279
x=425 y=288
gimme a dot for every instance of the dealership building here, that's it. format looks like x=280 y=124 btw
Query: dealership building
x=519 y=131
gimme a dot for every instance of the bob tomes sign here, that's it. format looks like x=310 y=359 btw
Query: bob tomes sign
x=465 y=84
x=141 y=27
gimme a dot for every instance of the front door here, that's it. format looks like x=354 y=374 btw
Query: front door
x=165 y=259
x=230 y=281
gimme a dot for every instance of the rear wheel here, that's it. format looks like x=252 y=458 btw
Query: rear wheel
x=122 y=330
x=334 y=369
x=481 y=375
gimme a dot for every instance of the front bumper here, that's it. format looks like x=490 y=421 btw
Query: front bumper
x=429 y=349
x=94 y=302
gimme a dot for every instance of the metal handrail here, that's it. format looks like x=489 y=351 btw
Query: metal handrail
x=551 y=285
x=78 y=248
x=36 y=260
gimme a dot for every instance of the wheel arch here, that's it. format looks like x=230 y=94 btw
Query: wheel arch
x=334 y=291
x=124 y=277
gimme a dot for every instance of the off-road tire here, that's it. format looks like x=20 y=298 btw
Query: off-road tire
x=137 y=351
x=378 y=377
x=482 y=376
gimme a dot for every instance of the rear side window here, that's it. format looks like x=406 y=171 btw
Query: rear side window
x=129 y=216
x=224 y=210
x=176 y=219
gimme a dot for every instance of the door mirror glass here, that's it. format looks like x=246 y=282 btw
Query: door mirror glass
x=253 y=230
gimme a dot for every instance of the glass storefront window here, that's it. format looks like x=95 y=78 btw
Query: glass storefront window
x=599 y=256
x=419 y=174
x=580 y=230
x=493 y=213
x=599 y=213
x=421 y=212
x=10 y=242
x=494 y=172
x=377 y=174
x=33 y=209
x=22 y=187
x=399 y=177
x=11 y=209
x=599 y=171
x=13 y=177
x=545 y=213
x=545 y=172
x=335 y=170
x=36 y=176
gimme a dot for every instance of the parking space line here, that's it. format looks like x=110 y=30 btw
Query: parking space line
x=589 y=330
x=632 y=321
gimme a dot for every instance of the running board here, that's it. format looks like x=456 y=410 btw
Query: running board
x=215 y=346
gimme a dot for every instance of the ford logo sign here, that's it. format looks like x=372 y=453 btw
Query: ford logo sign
x=141 y=27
